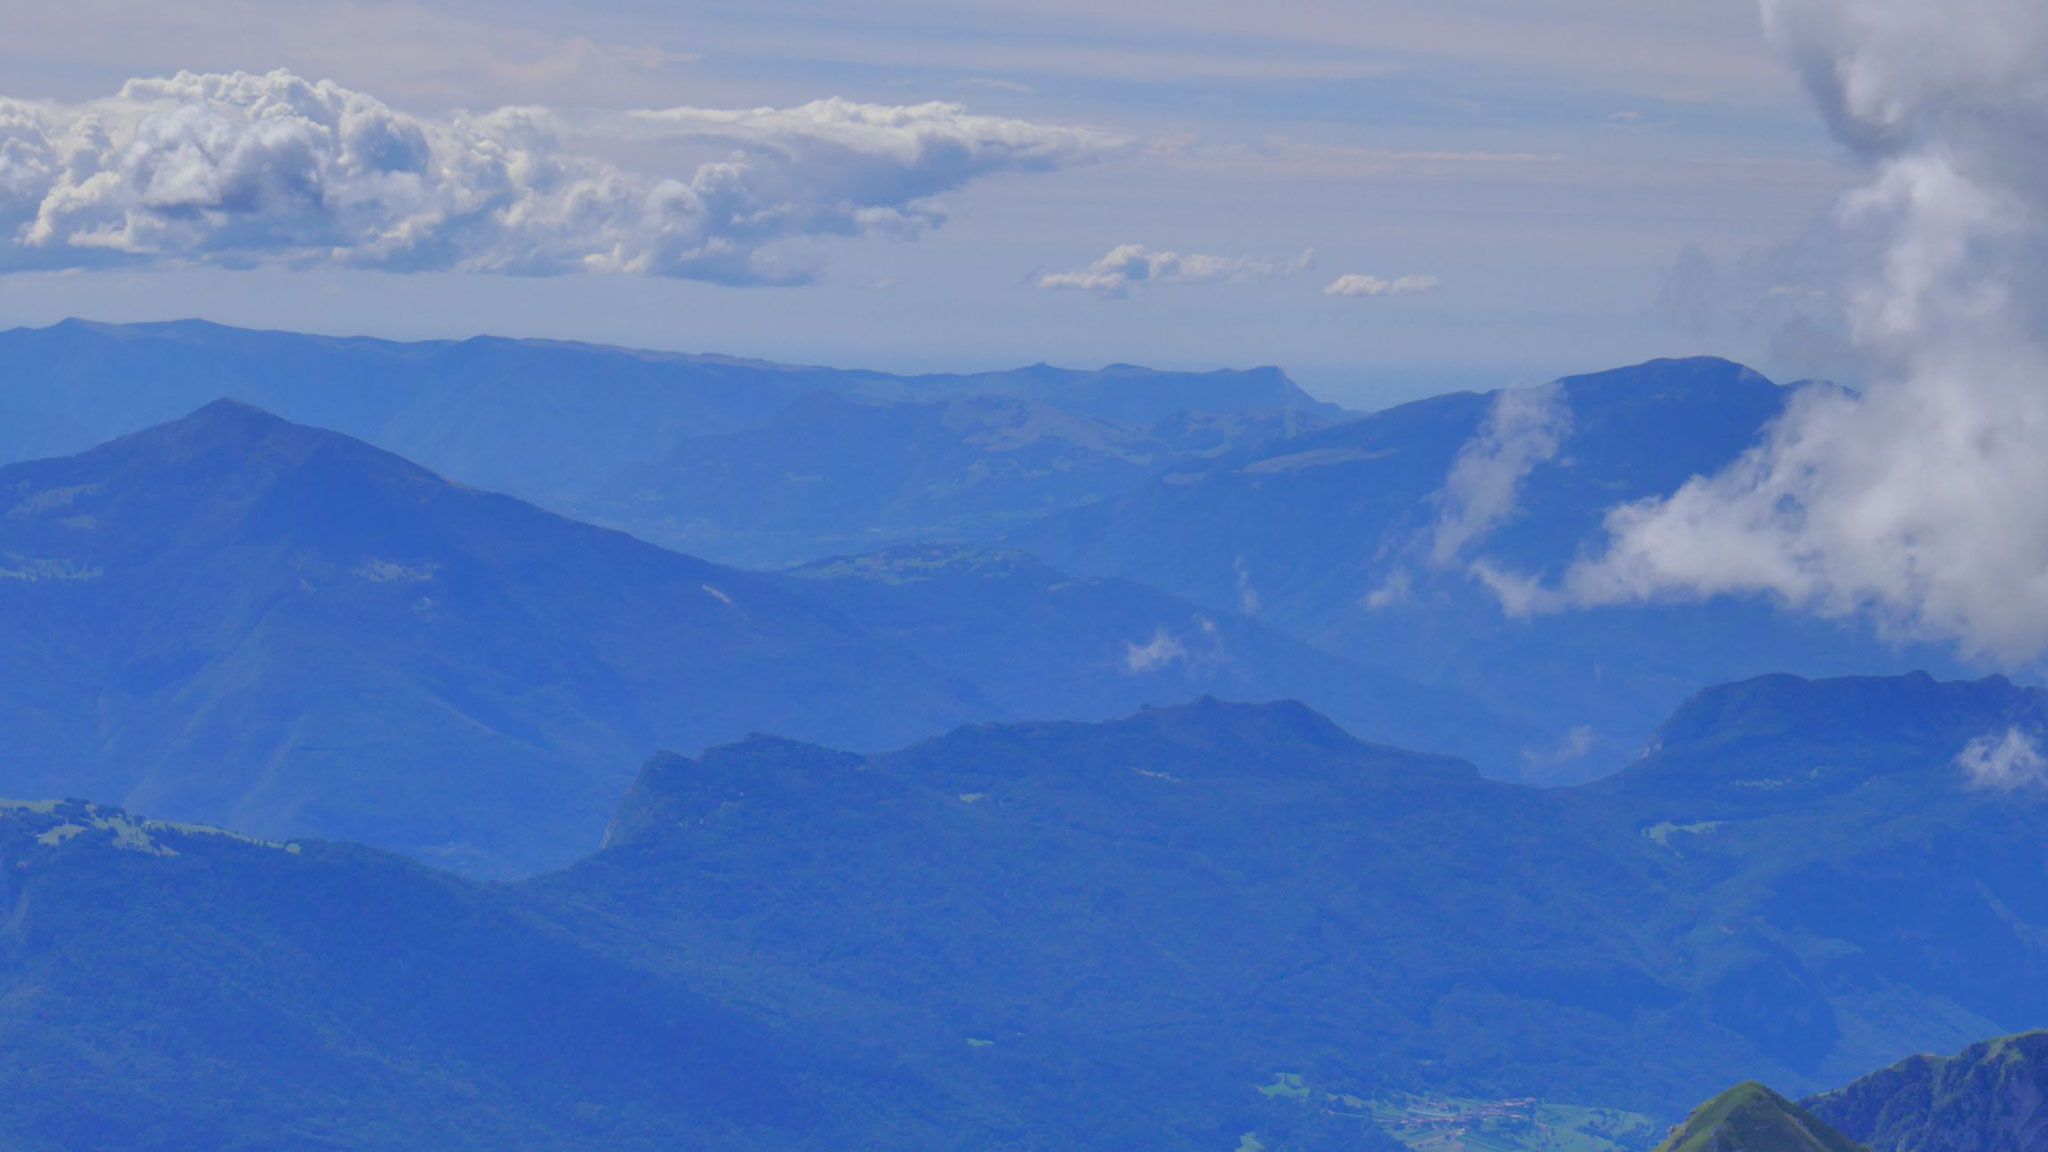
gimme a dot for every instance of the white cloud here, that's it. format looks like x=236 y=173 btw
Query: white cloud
x=1916 y=502
x=1357 y=284
x=2004 y=762
x=1128 y=266
x=242 y=169
x=1523 y=429
x=1162 y=651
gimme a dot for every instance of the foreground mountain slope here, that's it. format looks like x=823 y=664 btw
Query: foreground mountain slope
x=1347 y=538
x=1235 y=892
x=1992 y=1097
x=1751 y=1118
x=1134 y=925
x=176 y=988
x=1179 y=928
x=629 y=436
x=1859 y=865
x=233 y=619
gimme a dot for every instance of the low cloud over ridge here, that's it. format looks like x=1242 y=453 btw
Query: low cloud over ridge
x=240 y=170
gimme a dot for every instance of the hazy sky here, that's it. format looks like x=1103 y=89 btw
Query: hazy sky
x=1383 y=196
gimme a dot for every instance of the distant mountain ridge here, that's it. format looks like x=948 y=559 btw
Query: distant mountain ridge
x=1234 y=491
x=1043 y=644
x=592 y=430
x=235 y=619
x=1335 y=538
x=238 y=620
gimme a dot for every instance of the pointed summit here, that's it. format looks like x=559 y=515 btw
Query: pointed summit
x=1751 y=1118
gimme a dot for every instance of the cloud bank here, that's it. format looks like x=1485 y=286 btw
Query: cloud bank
x=1357 y=284
x=240 y=170
x=1916 y=502
x=1129 y=266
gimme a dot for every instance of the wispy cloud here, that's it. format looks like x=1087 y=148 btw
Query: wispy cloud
x=1358 y=284
x=241 y=170
x=1130 y=266
x=1525 y=428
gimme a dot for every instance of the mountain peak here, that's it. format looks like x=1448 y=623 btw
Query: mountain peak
x=757 y=774
x=1751 y=1118
x=1914 y=705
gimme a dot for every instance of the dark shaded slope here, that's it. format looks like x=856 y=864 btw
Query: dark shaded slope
x=173 y=989
x=1177 y=928
x=1213 y=894
x=234 y=619
x=1993 y=1097
x=1148 y=918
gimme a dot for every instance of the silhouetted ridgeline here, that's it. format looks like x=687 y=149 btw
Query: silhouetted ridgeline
x=1064 y=934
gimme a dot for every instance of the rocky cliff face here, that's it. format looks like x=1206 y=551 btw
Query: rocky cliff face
x=1991 y=1098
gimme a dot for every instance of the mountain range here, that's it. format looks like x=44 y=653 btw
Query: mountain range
x=742 y=461
x=1233 y=491
x=1338 y=537
x=941 y=855
x=236 y=620
x=1187 y=925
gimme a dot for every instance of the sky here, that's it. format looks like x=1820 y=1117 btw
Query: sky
x=1387 y=198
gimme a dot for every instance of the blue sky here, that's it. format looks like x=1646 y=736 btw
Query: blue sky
x=1528 y=173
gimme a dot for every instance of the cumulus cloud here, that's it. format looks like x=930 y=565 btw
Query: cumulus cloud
x=1358 y=284
x=244 y=169
x=1129 y=266
x=1915 y=502
x=2004 y=762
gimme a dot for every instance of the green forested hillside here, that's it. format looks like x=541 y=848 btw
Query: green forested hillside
x=1751 y=1118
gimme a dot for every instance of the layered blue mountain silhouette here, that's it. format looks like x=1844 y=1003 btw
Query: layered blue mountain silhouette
x=738 y=460
x=1330 y=537
x=940 y=855
x=1233 y=490
x=1042 y=934
x=238 y=620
